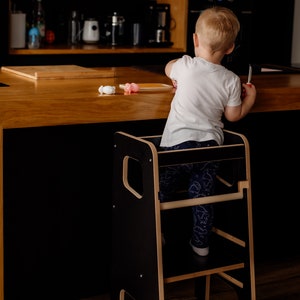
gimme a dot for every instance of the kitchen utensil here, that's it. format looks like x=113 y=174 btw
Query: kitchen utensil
x=249 y=75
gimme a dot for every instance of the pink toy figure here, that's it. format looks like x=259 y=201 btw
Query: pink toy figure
x=131 y=88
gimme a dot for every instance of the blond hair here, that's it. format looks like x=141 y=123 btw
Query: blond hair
x=218 y=28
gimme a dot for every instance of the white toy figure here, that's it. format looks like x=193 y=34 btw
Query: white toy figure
x=107 y=89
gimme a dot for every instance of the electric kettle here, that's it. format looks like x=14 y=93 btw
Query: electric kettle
x=91 y=32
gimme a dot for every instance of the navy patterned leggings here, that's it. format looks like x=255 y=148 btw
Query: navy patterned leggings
x=199 y=181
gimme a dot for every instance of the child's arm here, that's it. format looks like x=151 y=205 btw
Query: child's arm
x=235 y=113
x=168 y=69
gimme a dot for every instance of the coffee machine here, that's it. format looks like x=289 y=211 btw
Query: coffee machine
x=157 y=24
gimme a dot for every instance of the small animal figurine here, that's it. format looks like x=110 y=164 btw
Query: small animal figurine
x=107 y=89
x=131 y=88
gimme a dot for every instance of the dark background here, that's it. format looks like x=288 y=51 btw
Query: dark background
x=57 y=201
x=265 y=38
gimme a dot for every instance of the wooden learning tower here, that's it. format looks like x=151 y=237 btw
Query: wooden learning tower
x=142 y=264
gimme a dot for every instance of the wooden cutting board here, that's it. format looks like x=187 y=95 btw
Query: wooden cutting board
x=57 y=72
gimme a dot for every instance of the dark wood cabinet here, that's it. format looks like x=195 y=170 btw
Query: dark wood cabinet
x=272 y=32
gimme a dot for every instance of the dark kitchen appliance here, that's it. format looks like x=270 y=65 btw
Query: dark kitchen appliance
x=157 y=24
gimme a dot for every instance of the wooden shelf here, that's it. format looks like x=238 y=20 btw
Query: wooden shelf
x=178 y=32
x=93 y=49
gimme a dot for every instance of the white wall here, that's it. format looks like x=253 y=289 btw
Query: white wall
x=296 y=34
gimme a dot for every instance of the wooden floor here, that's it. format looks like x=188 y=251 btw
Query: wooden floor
x=275 y=280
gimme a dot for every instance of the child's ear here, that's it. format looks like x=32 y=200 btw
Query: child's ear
x=230 y=49
x=195 y=39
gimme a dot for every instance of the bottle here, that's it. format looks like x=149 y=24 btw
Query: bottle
x=74 y=29
x=34 y=38
x=39 y=20
x=114 y=29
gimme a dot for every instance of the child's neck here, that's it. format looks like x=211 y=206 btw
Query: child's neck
x=215 y=57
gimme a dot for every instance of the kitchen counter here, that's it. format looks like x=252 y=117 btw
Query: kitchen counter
x=27 y=103
x=30 y=103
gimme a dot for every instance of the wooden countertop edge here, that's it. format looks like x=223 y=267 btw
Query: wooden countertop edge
x=29 y=104
x=55 y=114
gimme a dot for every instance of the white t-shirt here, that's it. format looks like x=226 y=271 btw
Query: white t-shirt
x=203 y=91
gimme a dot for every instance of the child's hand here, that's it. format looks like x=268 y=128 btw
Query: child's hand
x=174 y=83
x=248 y=89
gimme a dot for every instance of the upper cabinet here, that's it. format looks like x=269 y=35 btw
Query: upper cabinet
x=111 y=27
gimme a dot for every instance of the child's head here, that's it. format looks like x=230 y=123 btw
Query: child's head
x=217 y=29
